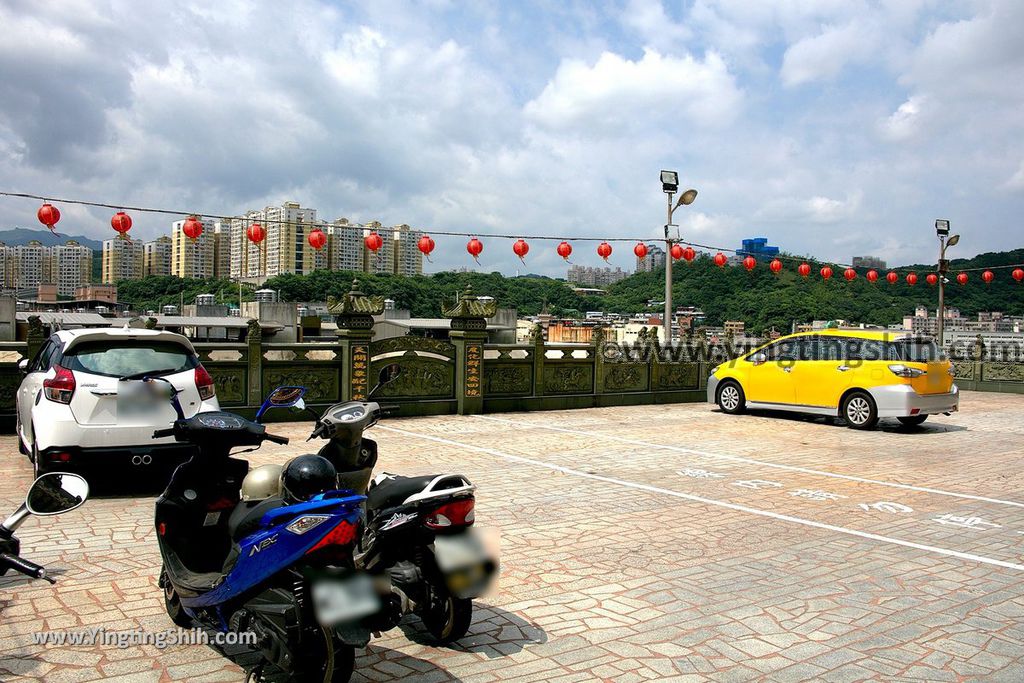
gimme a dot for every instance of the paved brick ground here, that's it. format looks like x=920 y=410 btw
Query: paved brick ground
x=642 y=543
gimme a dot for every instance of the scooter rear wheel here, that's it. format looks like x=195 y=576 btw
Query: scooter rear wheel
x=172 y=603
x=447 y=618
x=338 y=662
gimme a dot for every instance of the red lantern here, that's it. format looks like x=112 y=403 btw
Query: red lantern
x=48 y=215
x=749 y=263
x=689 y=254
x=604 y=250
x=826 y=272
x=720 y=259
x=122 y=223
x=373 y=242
x=677 y=252
x=317 y=239
x=475 y=247
x=932 y=279
x=1017 y=274
x=911 y=279
x=850 y=274
x=775 y=266
x=564 y=250
x=804 y=269
x=640 y=250
x=961 y=278
x=521 y=248
x=892 y=277
x=256 y=233
x=988 y=276
x=425 y=245
x=192 y=228
x=872 y=276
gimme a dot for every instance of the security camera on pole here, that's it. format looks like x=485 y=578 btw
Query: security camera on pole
x=669 y=184
x=945 y=241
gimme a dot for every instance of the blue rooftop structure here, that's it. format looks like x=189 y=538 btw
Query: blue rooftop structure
x=759 y=248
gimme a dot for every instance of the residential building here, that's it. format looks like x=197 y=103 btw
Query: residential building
x=156 y=256
x=654 y=260
x=31 y=264
x=7 y=270
x=345 y=245
x=123 y=259
x=592 y=276
x=734 y=328
x=221 y=250
x=193 y=258
x=868 y=262
x=285 y=248
x=70 y=267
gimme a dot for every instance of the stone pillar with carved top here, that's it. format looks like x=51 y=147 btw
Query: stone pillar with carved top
x=254 y=339
x=354 y=314
x=468 y=333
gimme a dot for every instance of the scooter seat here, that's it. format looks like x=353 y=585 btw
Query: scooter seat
x=245 y=518
x=394 y=490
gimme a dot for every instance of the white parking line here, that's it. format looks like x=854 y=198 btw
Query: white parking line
x=738 y=458
x=708 y=501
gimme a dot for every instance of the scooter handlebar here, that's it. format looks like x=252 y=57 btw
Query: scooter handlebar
x=161 y=433
x=274 y=438
x=26 y=567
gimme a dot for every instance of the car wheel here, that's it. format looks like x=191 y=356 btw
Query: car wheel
x=731 y=399
x=859 y=410
x=912 y=420
x=38 y=469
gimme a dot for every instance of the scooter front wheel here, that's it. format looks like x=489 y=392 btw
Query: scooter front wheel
x=447 y=618
x=172 y=603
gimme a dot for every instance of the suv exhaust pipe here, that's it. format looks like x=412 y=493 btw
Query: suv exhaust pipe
x=142 y=459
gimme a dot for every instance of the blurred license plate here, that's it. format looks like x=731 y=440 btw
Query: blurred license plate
x=467 y=565
x=141 y=401
x=342 y=600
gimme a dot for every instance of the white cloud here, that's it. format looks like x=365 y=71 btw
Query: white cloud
x=1016 y=182
x=906 y=122
x=817 y=210
x=615 y=91
x=821 y=57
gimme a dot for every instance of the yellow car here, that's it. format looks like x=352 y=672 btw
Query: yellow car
x=859 y=375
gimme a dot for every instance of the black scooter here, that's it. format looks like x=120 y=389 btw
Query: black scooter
x=418 y=532
x=51 y=494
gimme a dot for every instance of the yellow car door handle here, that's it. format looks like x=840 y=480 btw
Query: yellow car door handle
x=787 y=368
x=843 y=368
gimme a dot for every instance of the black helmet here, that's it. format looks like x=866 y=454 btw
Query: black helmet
x=306 y=476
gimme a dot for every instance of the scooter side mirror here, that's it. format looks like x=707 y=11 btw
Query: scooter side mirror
x=283 y=397
x=23 y=366
x=55 y=493
x=389 y=373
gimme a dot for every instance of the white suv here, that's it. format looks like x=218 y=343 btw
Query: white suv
x=78 y=404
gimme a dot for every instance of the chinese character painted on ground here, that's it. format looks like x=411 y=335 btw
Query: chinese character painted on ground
x=757 y=484
x=700 y=474
x=966 y=522
x=887 y=507
x=815 y=494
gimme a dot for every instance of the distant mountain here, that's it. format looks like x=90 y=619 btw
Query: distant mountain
x=21 y=236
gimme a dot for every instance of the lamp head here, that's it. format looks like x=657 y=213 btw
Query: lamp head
x=941 y=227
x=952 y=240
x=687 y=197
x=669 y=181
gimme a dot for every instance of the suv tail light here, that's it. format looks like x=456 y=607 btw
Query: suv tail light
x=61 y=387
x=903 y=371
x=204 y=383
x=457 y=514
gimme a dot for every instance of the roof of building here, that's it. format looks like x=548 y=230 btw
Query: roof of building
x=79 y=319
x=229 y=321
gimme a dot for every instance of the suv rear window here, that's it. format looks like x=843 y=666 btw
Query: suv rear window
x=124 y=358
x=914 y=351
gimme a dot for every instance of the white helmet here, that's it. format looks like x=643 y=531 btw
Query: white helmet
x=262 y=482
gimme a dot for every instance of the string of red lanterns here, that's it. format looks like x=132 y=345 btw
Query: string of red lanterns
x=192 y=227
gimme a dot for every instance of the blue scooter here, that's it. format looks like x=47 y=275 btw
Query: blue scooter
x=251 y=571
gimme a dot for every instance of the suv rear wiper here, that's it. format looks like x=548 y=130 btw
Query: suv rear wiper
x=147 y=373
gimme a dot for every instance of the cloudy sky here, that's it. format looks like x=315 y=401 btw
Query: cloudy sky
x=833 y=127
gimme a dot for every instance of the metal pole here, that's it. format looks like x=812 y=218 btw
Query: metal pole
x=942 y=287
x=668 y=276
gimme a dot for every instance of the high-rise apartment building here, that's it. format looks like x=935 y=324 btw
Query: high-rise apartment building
x=70 y=267
x=654 y=260
x=221 y=250
x=284 y=250
x=590 y=276
x=122 y=260
x=6 y=266
x=193 y=258
x=156 y=256
x=868 y=262
x=345 y=244
x=31 y=265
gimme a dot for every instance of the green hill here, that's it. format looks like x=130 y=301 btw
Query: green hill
x=759 y=298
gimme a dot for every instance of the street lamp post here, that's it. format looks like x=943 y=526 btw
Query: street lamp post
x=942 y=230
x=669 y=185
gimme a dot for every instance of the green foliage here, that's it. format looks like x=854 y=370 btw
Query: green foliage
x=761 y=299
